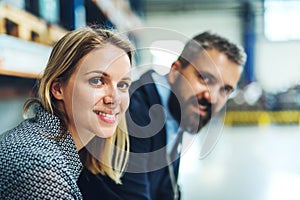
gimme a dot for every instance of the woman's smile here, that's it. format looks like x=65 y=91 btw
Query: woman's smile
x=109 y=117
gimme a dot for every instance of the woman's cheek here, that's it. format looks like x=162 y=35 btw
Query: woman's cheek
x=125 y=102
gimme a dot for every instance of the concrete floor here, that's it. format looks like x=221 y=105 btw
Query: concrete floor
x=247 y=163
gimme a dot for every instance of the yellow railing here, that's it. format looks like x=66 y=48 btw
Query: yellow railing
x=261 y=117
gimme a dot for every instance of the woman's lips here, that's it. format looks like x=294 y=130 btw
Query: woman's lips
x=106 y=117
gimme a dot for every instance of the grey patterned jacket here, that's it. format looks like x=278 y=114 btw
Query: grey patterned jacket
x=33 y=166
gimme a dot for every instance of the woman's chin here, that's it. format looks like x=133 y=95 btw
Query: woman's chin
x=106 y=132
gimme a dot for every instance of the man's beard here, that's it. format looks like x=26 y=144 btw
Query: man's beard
x=188 y=120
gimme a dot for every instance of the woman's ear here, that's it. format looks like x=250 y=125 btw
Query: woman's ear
x=174 y=72
x=56 y=90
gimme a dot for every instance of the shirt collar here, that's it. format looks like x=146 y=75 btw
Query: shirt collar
x=164 y=91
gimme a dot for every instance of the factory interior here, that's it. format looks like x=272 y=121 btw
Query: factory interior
x=248 y=152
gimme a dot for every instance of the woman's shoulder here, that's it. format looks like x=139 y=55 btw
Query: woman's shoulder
x=26 y=156
x=26 y=143
x=26 y=134
x=32 y=132
x=31 y=155
x=32 y=164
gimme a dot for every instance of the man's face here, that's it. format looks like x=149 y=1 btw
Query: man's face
x=201 y=89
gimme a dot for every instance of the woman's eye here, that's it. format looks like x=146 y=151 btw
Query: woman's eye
x=97 y=81
x=123 y=85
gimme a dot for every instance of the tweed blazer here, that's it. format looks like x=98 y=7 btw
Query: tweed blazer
x=33 y=165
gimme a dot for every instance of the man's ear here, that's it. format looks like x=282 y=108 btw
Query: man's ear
x=56 y=90
x=174 y=72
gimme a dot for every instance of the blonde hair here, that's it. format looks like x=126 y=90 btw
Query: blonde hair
x=63 y=60
x=118 y=145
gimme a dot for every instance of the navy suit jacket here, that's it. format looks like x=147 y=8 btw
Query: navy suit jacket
x=147 y=176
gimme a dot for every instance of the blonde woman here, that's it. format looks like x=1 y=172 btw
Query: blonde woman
x=83 y=95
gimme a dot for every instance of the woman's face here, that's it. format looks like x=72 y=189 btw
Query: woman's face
x=96 y=96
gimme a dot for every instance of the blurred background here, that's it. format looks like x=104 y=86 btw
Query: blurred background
x=255 y=157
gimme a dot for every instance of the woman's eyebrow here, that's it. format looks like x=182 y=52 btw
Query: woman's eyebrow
x=97 y=72
x=126 y=78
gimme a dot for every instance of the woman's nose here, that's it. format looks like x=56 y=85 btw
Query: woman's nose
x=111 y=96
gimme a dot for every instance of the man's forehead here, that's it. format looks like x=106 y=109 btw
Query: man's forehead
x=204 y=64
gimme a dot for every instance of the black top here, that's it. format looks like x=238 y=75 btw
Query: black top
x=95 y=187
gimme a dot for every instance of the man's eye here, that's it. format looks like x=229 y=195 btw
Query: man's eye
x=204 y=78
x=97 y=81
x=227 y=90
x=123 y=85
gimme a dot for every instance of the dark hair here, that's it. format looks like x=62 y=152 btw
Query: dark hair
x=206 y=41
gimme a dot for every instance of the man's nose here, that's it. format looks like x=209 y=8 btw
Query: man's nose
x=211 y=94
